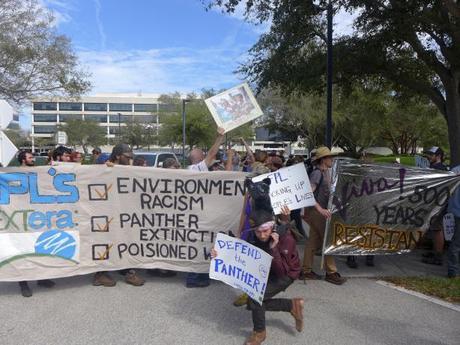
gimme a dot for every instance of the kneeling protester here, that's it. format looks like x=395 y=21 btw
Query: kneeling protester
x=262 y=267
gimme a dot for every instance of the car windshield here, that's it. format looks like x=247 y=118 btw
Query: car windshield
x=149 y=158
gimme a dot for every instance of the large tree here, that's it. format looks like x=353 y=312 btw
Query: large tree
x=34 y=58
x=414 y=44
x=84 y=133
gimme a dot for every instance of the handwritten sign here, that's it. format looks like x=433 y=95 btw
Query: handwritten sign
x=241 y=265
x=289 y=186
x=383 y=209
x=448 y=223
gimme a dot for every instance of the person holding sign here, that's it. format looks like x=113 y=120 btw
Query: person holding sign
x=320 y=180
x=453 y=254
x=285 y=268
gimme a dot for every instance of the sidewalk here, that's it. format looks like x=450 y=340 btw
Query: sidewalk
x=408 y=265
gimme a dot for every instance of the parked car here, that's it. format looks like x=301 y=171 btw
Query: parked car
x=155 y=159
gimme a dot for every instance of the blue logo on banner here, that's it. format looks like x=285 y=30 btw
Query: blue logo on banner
x=56 y=243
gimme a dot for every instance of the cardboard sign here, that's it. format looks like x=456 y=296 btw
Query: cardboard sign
x=234 y=107
x=241 y=265
x=289 y=186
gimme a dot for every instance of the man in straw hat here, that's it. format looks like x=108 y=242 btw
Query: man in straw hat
x=320 y=180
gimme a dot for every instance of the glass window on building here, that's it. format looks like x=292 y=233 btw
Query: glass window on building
x=123 y=118
x=68 y=106
x=145 y=118
x=45 y=118
x=95 y=106
x=113 y=130
x=167 y=107
x=44 y=129
x=45 y=106
x=67 y=117
x=120 y=107
x=97 y=118
x=148 y=108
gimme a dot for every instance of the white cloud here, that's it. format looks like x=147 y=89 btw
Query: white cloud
x=100 y=26
x=61 y=10
x=162 y=70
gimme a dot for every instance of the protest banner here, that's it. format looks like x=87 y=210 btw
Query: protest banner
x=289 y=186
x=234 y=107
x=383 y=209
x=241 y=265
x=77 y=219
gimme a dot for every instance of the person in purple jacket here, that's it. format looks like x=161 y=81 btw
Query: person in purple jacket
x=277 y=241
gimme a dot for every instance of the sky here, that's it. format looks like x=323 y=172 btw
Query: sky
x=154 y=46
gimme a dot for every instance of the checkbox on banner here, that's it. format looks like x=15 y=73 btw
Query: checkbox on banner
x=99 y=191
x=100 y=223
x=101 y=251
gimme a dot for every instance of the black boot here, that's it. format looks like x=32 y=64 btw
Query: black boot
x=25 y=289
x=351 y=262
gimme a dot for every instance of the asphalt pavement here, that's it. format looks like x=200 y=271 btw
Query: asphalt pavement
x=163 y=311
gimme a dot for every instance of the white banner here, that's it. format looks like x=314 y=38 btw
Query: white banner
x=241 y=265
x=77 y=219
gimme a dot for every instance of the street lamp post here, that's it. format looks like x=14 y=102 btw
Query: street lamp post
x=183 y=130
x=329 y=77
x=119 y=127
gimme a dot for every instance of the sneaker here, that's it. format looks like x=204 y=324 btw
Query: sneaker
x=25 y=289
x=370 y=260
x=310 y=276
x=351 y=262
x=241 y=300
x=46 y=283
x=103 y=279
x=256 y=338
x=133 y=278
x=297 y=313
x=335 y=278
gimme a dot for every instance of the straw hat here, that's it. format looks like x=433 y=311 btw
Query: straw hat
x=322 y=152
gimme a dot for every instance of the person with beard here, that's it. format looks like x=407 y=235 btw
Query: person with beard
x=26 y=159
x=278 y=241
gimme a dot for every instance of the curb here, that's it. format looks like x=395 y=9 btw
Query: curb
x=452 y=306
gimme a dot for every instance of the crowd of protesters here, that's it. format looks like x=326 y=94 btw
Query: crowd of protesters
x=276 y=235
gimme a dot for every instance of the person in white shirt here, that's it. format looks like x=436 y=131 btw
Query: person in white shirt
x=201 y=162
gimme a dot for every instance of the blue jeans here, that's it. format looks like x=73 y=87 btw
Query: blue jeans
x=454 y=251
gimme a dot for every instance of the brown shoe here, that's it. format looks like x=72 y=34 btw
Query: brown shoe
x=335 y=278
x=256 y=338
x=309 y=276
x=103 y=279
x=133 y=278
x=297 y=313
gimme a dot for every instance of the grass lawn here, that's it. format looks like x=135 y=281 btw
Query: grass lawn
x=446 y=288
x=405 y=160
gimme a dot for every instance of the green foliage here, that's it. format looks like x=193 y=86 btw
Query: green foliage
x=17 y=137
x=84 y=133
x=34 y=59
x=412 y=44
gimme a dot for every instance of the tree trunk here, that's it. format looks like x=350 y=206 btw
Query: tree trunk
x=453 y=121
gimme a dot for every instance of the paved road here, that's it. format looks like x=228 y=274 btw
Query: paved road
x=165 y=312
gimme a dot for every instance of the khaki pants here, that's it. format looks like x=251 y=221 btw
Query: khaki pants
x=315 y=242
